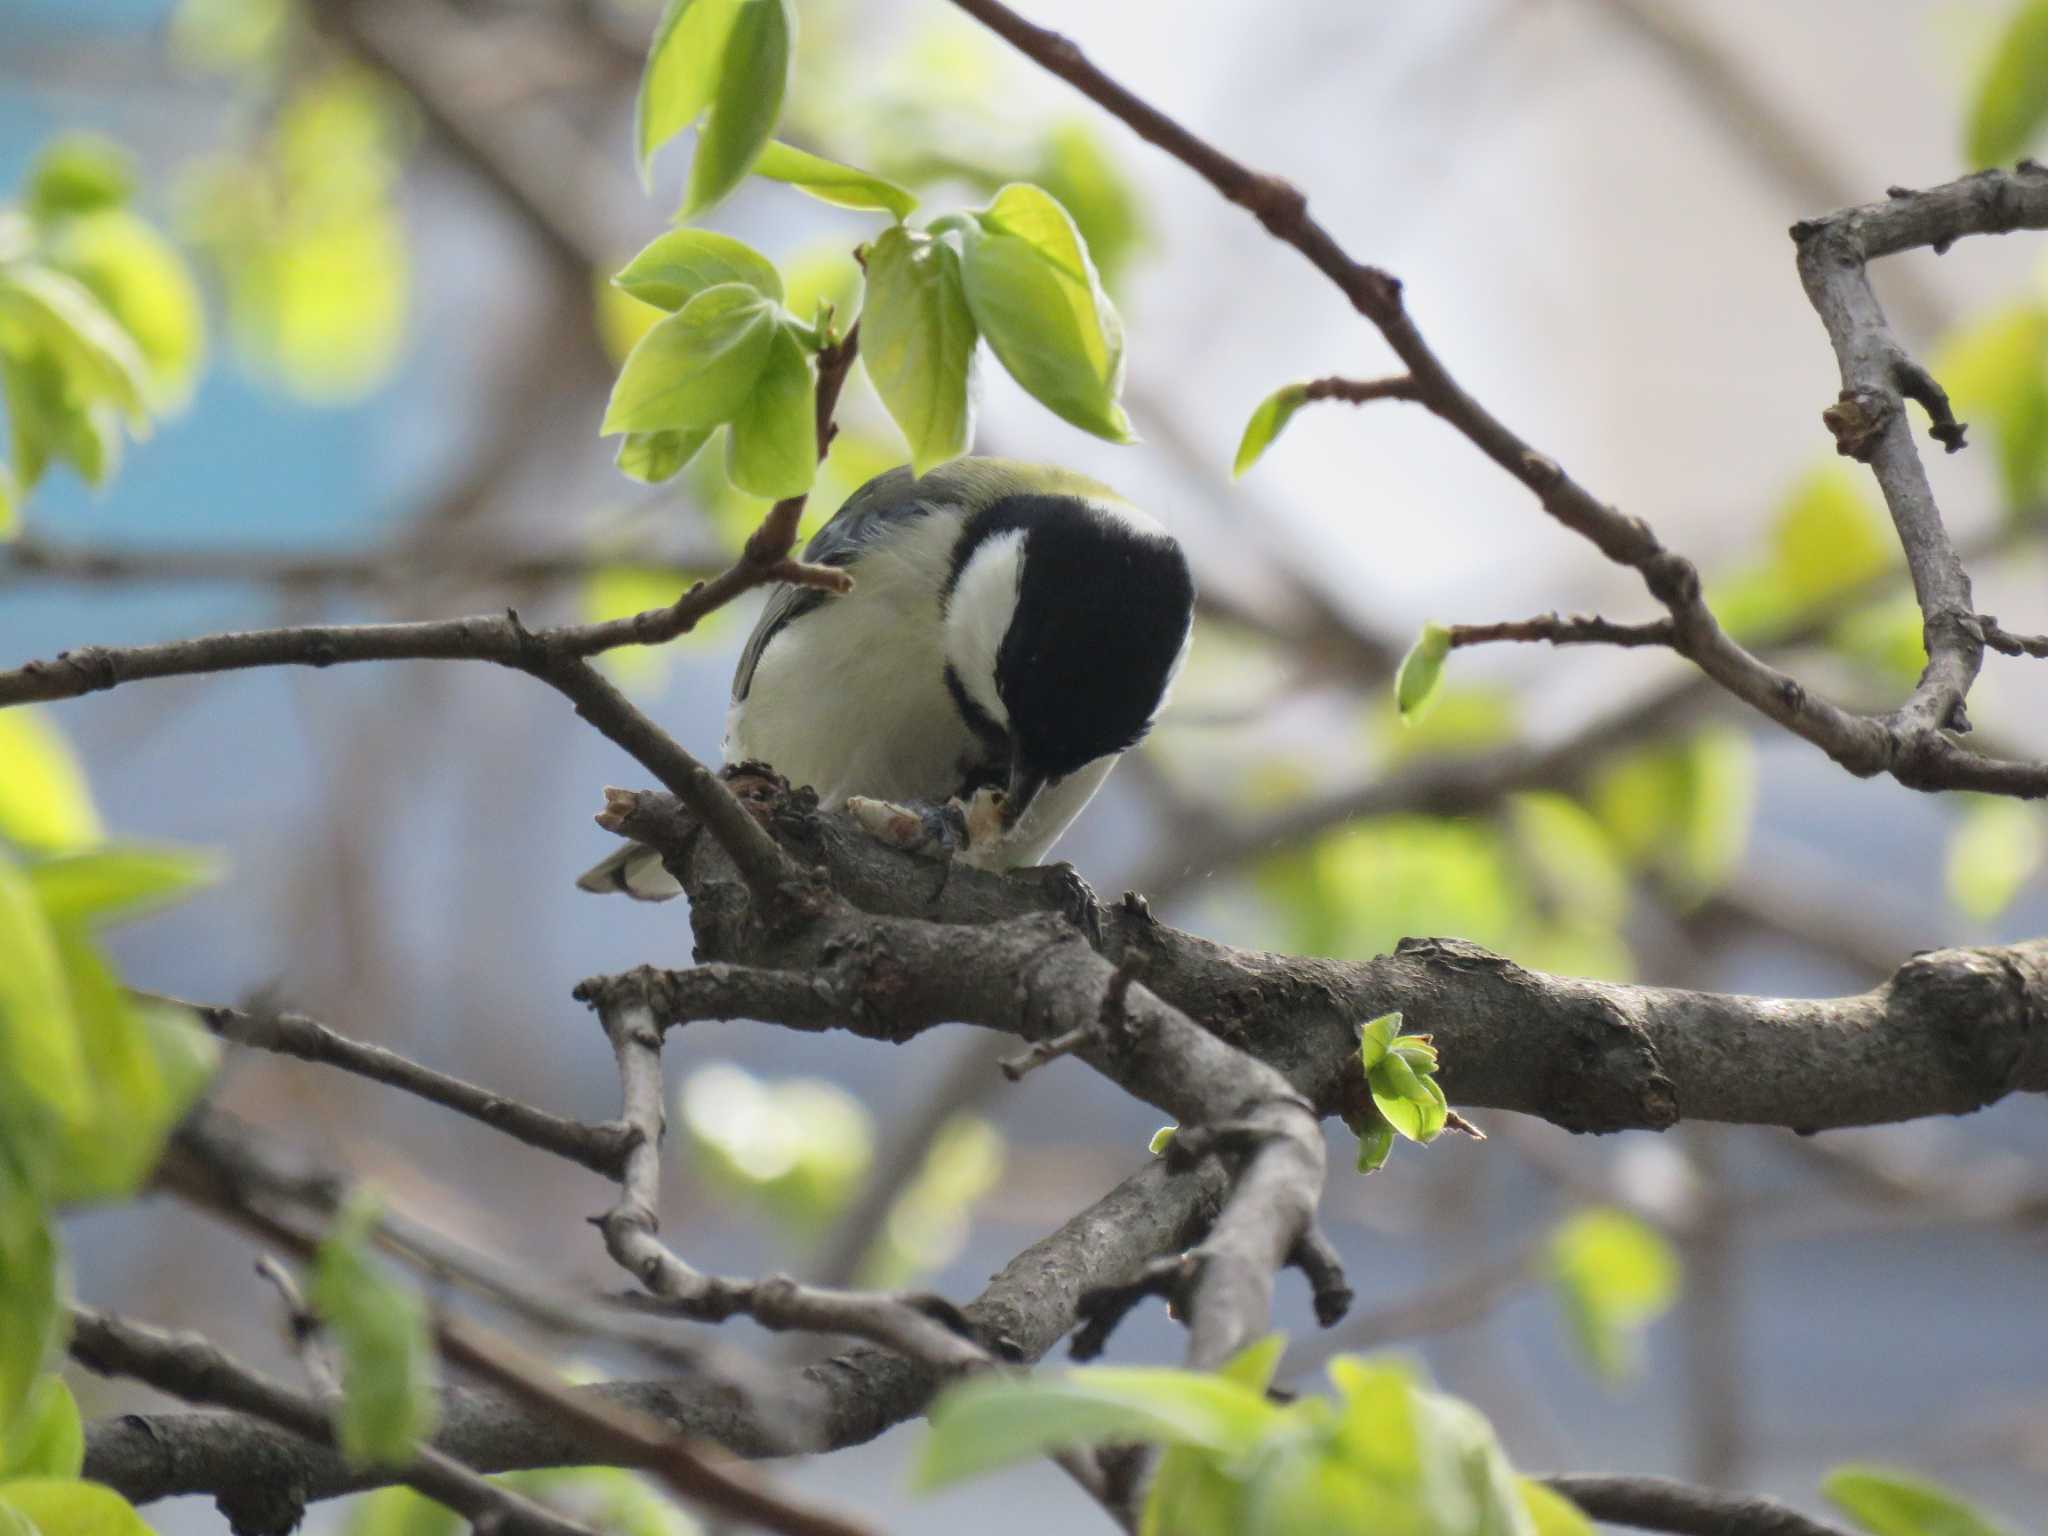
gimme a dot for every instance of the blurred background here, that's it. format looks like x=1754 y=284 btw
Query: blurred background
x=400 y=216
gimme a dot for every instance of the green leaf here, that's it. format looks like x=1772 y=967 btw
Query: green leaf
x=1613 y=1275
x=1375 y=1144
x=387 y=1361
x=44 y=1086
x=1421 y=669
x=10 y=504
x=78 y=173
x=1888 y=1502
x=68 y=1507
x=1376 y=1038
x=44 y=799
x=1161 y=1139
x=1994 y=849
x=101 y=361
x=683 y=65
x=1996 y=373
x=147 y=287
x=674 y=268
x=1829 y=536
x=31 y=1312
x=1267 y=423
x=607 y=1499
x=772 y=447
x=993 y=1421
x=398 y=1511
x=798 y=1147
x=652 y=457
x=1192 y=1495
x=1412 y=1104
x=830 y=182
x=45 y=1438
x=2011 y=99
x=1035 y=295
x=928 y=1223
x=753 y=77
x=1254 y=1365
x=698 y=367
x=1683 y=810
x=1551 y=1512
x=119 y=882
x=918 y=343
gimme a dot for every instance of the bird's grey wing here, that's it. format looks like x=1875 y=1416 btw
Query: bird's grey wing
x=868 y=513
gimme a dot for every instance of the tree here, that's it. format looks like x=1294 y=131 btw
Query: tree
x=801 y=921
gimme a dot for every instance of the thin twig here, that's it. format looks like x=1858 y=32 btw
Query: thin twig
x=1579 y=629
x=1664 y=1504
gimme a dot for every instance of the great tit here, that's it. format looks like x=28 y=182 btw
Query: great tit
x=1012 y=629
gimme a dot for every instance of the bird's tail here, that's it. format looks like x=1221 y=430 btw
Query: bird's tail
x=637 y=871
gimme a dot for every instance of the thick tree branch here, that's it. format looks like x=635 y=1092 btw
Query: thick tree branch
x=1661 y=1504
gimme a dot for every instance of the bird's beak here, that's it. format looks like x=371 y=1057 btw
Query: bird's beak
x=1025 y=783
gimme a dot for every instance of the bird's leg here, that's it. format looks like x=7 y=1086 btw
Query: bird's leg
x=969 y=829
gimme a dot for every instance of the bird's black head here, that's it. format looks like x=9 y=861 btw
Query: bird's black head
x=1103 y=604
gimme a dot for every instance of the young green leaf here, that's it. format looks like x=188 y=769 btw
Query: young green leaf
x=652 y=457
x=1996 y=371
x=387 y=1361
x=1376 y=1038
x=698 y=367
x=1421 y=670
x=2011 y=100
x=45 y=802
x=683 y=65
x=1267 y=423
x=1375 y=1144
x=45 y=1088
x=78 y=173
x=100 y=360
x=798 y=1147
x=1613 y=1275
x=1889 y=1502
x=1161 y=1139
x=753 y=77
x=674 y=268
x=1551 y=1513
x=68 y=1507
x=771 y=449
x=1035 y=295
x=843 y=186
x=918 y=343
x=31 y=1312
x=118 y=882
x=45 y=1439
x=147 y=287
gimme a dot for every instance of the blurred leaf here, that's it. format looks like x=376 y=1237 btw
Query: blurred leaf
x=45 y=1439
x=1193 y=1496
x=1035 y=295
x=927 y=1226
x=1829 y=536
x=2011 y=98
x=652 y=457
x=1886 y=637
x=1461 y=718
x=677 y=266
x=771 y=449
x=68 y=1507
x=232 y=36
x=606 y=1499
x=78 y=173
x=1996 y=374
x=44 y=799
x=1080 y=173
x=993 y=1421
x=31 y=1310
x=118 y=882
x=1552 y=1513
x=1994 y=848
x=100 y=361
x=398 y=1511
x=918 y=343
x=698 y=367
x=1613 y=1275
x=1375 y=1143
x=753 y=77
x=1267 y=423
x=10 y=504
x=683 y=66
x=1570 y=857
x=1421 y=670
x=148 y=289
x=44 y=1086
x=1888 y=1502
x=388 y=1371
x=1684 y=809
x=798 y=1148
x=830 y=182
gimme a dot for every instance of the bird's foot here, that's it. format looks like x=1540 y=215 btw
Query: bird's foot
x=969 y=830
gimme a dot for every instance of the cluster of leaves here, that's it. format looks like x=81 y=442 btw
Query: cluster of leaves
x=92 y=1080
x=730 y=354
x=100 y=325
x=1381 y=1454
x=1400 y=1076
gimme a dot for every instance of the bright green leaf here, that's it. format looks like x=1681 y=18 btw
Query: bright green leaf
x=798 y=1147
x=608 y=1499
x=1267 y=423
x=1375 y=1144
x=2011 y=99
x=1888 y=1502
x=68 y=1507
x=31 y=1312
x=78 y=173
x=1683 y=809
x=830 y=182
x=771 y=449
x=1192 y=1495
x=1829 y=536
x=993 y=1421
x=683 y=65
x=100 y=360
x=753 y=77
x=1996 y=374
x=1551 y=1512
x=387 y=1361
x=117 y=882
x=1421 y=670
x=1161 y=1139
x=1376 y=1038
x=698 y=367
x=1613 y=1274
x=652 y=457
x=918 y=344
x=44 y=1085
x=928 y=1222
x=1035 y=295
x=45 y=1438
x=1254 y=1365
x=1994 y=849
x=44 y=799
x=147 y=287
x=398 y=1511
x=676 y=267
x=10 y=504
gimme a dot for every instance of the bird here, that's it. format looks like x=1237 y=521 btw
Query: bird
x=1012 y=630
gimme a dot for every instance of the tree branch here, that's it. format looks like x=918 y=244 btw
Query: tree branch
x=1662 y=1504
x=1579 y=629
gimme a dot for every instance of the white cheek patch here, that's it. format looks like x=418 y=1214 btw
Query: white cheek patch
x=978 y=616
